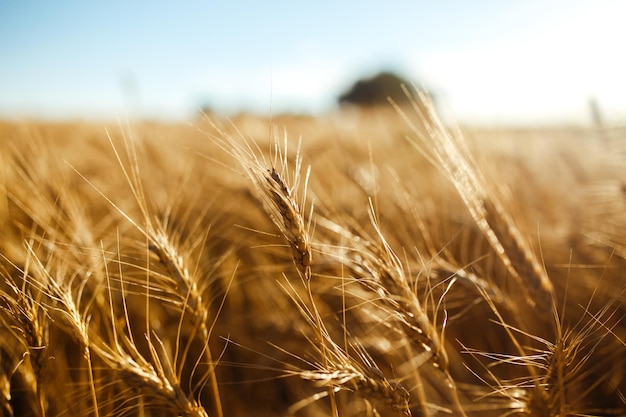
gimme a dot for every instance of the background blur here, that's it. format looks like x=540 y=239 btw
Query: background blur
x=487 y=62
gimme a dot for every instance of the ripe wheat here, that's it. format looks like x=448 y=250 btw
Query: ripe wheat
x=219 y=272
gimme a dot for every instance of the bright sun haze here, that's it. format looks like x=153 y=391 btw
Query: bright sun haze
x=487 y=62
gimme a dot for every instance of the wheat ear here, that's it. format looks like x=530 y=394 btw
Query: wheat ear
x=175 y=265
x=376 y=264
x=339 y=370
x=289 y=219
x=370 y=384
x=276 y=192
x=447 y=151
x=31 y=328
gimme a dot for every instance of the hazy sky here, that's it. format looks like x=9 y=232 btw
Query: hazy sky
x=488 y=61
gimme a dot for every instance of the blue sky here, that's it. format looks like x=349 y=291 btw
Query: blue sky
x=488 y=61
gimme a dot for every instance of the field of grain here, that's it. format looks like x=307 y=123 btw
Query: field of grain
x=371 y=263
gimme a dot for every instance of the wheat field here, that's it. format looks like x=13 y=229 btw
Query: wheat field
x=372 y=263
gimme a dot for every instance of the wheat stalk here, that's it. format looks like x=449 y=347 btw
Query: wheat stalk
x=447 y=151
x=339 y=370
x=378 y=264
x=153 y=376
x=185 y=284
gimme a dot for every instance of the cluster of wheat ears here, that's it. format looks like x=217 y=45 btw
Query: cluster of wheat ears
x=381 y=264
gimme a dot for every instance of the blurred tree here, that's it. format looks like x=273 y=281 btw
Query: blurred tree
x=376 y=90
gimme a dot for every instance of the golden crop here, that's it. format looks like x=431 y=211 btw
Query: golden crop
x=376 y=263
